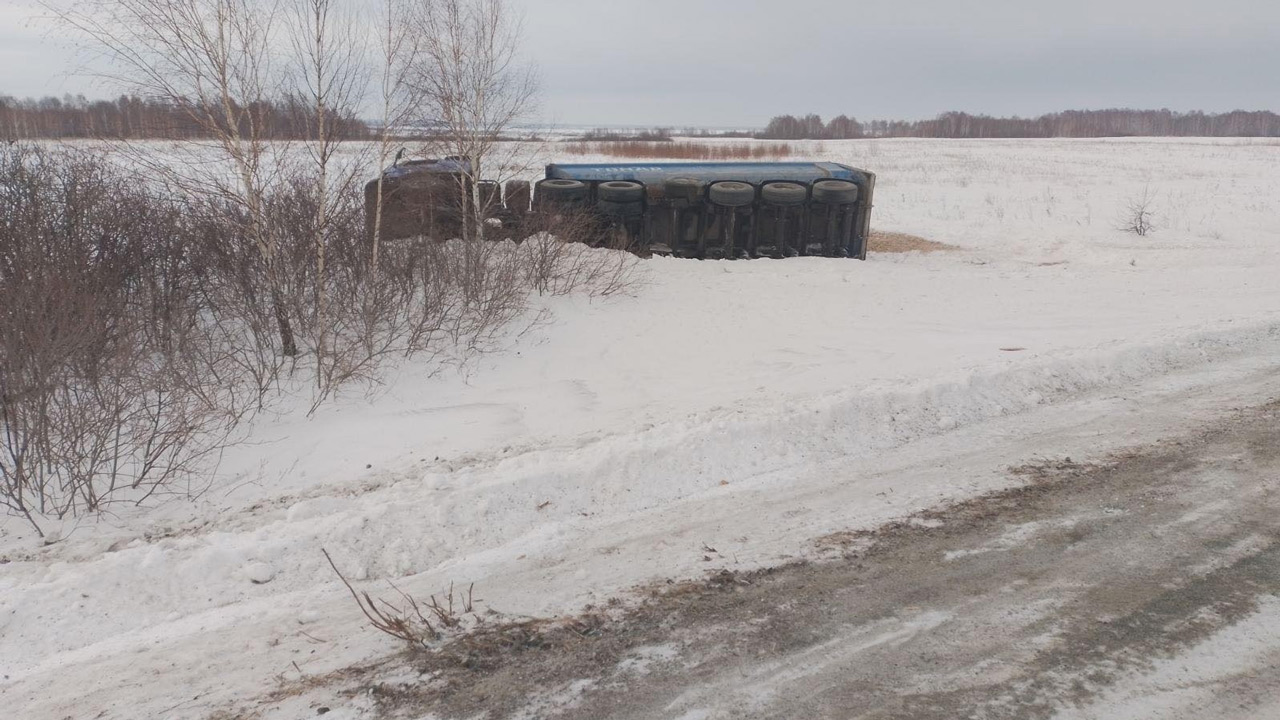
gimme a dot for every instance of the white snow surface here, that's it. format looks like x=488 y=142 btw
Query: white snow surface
x=750 y=406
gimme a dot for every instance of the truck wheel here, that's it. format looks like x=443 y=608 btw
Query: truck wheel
x=732 y=194
x=835 y=192
x=784 y=193
x=620 y=209
x=682 y=188
x=620 y=191
x=518 y=195
x=490 y=196
x=558 y=190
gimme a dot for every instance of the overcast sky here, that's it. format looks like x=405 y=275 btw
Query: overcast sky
x=721 y=63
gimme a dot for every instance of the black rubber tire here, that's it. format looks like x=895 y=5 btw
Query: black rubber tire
x=490 y=195
x=683 y=188
x=620 y=209
x=518 y=195
x=732 y=194
x=620 y=191
x=560 y=190
x=835 y=192
x=784 y=193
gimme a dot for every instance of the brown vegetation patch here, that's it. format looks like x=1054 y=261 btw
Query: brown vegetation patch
x=895 y=242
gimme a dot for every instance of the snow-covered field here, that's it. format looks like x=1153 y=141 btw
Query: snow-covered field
x=614 y=437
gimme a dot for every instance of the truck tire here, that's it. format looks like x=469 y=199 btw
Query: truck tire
x=620 y=209
x=620 y=191
x=490 y=196
x=557 y=190
x=518 y=195
x=784 y=193
x=835 y=192
x=683 y=189
x=732 y=194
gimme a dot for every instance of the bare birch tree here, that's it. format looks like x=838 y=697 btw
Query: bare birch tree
x=331 y=74
x=472 y=88
x=213 y=59
x=398 y=46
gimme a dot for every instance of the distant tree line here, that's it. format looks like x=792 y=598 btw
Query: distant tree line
x=661 y=134
x=1073 y=123
x=130 y=117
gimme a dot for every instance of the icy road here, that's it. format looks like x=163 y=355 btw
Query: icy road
x=1143 y=586
x=1145 y=589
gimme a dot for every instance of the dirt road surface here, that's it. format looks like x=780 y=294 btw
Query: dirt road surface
x=1146 y=586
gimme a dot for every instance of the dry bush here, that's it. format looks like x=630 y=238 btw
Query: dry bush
x=449 y=633
x=135 y=339
x=234 y=295
x=263 y=281
x=421 y=298
x=1138 y=217
x=416 y=623
x=484 y=283
x=574 y=252
x=111 y=388
x=226 y=64
x=684 y=150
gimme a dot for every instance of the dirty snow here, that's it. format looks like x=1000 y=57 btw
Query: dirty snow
x=1210 y=680
x=599 y=448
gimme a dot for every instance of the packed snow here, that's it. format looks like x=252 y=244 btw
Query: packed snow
x=752 y=405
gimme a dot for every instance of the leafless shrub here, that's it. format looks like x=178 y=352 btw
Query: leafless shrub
x=134 y=338
x=418 y=624
x=215 y=59
x=291 y=291
x=574 y=252
x=423 y=298
x=232 y=295
x=111 y=388
x=449 y=634
x=486 y=280
x=1138 y=217
x=405 y=622
x=446 y=613
x=226 y=64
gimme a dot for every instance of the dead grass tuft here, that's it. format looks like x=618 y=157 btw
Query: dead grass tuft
x=491 y=646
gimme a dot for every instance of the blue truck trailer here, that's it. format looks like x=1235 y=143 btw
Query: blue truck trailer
x=699 y=210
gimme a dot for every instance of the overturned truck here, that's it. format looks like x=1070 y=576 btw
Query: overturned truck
x=697 y=210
